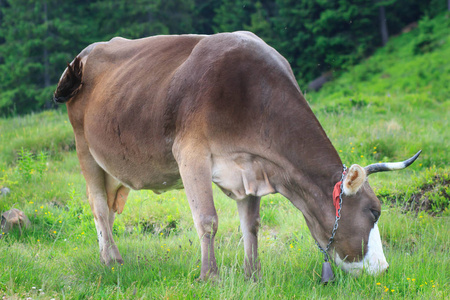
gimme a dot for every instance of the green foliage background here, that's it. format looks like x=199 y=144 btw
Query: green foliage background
x=38 y=37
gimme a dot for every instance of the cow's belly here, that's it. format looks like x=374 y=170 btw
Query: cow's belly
x=140 y=173
x=241 y=175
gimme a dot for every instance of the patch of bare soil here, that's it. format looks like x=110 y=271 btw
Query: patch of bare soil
x=433 y=197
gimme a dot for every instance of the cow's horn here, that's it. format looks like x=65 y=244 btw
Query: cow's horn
x=381 y=167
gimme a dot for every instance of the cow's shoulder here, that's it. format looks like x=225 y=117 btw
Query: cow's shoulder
x=242 y=49
x=227 y=42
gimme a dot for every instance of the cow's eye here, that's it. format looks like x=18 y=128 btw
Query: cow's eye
x=376 y=214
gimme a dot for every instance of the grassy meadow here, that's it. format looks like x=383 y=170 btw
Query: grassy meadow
x=385 y=109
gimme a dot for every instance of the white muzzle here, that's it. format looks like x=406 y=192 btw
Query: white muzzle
x=374 y=261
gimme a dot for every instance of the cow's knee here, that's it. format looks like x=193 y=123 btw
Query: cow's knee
x=208 y=225
x=254 y=225
x=250 y=224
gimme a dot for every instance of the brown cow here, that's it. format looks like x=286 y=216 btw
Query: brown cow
x=170 y=111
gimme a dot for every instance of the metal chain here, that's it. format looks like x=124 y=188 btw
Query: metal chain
x=338 y=217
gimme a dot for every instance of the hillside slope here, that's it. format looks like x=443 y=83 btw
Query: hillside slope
x=393 y=104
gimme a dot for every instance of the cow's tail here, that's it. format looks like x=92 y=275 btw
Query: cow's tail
x=70 y=82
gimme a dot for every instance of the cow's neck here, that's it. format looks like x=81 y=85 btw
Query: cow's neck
x=310 y=170
x=313 y=196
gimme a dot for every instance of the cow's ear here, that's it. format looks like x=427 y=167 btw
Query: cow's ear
x=354 y=180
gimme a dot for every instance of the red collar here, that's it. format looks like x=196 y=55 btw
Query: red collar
x=336 y=192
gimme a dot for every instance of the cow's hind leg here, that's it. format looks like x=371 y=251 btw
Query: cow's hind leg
x=96 y=181
x=195 y=171
x=250 y=221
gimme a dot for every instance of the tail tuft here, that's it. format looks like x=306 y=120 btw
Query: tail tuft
x=70 y=83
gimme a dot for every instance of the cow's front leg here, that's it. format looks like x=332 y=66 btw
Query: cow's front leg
x=195 y=171
x=250 y=221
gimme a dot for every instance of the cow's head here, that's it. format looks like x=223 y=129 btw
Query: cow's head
x=357 y=243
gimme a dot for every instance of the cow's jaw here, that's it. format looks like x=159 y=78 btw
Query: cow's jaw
x=374 y=261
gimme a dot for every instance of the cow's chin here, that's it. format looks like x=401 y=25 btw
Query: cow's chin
x=374 y=262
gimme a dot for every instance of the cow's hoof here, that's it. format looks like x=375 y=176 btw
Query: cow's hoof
x=110 y=261
x=209 y=277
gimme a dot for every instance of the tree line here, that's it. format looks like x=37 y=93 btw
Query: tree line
x=39 y=37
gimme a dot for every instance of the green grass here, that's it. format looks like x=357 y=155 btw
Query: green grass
x=60 y=253
x=399 y=104
x=49 y=131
